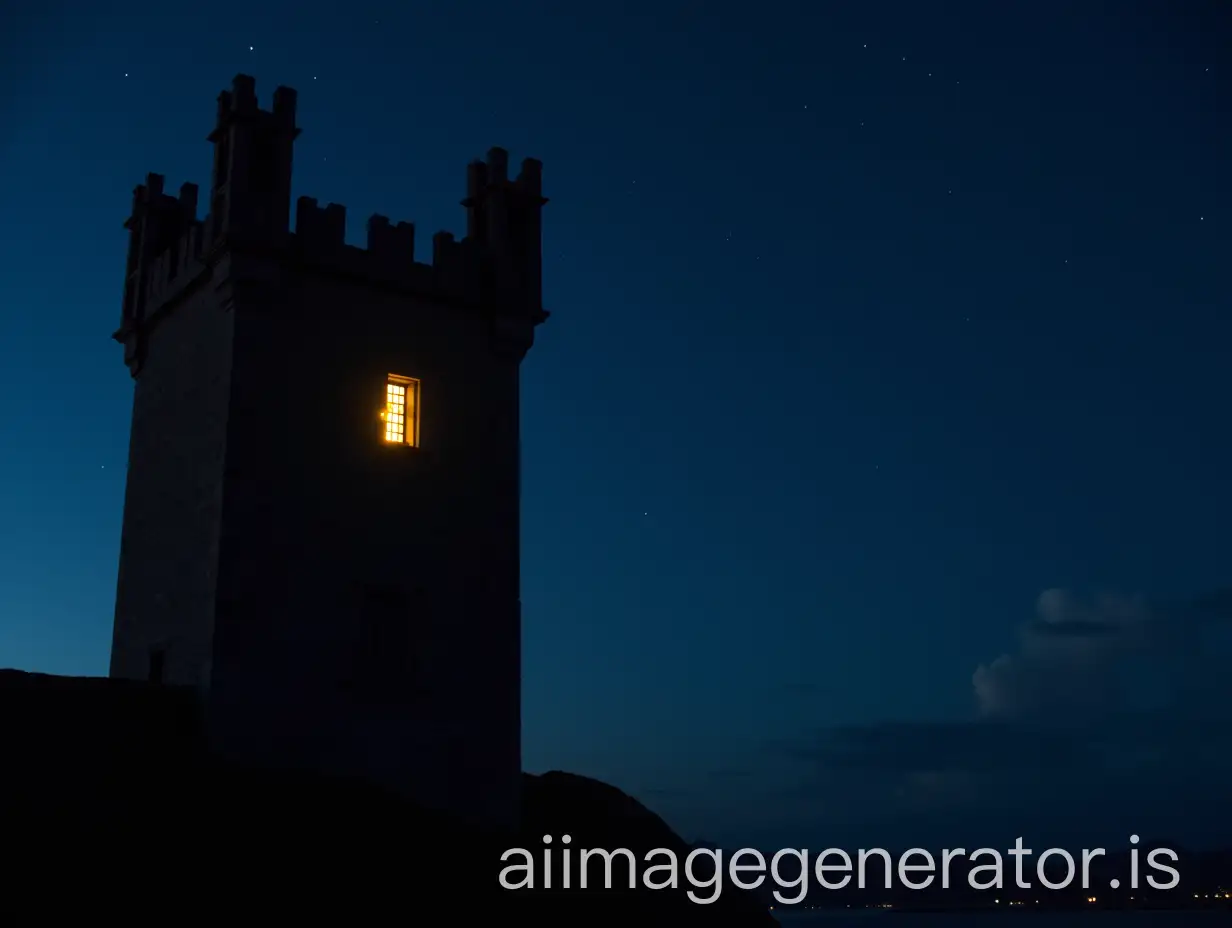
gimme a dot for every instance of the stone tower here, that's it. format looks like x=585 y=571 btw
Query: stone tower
x=321 y=520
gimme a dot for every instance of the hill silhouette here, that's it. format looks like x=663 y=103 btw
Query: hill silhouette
x=109 y=784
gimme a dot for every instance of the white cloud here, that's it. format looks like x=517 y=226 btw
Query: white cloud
x=1111 y=655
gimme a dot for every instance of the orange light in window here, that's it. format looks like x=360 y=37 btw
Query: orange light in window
x=401 y=415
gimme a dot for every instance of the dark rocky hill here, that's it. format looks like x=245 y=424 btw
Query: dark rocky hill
x=110 y=800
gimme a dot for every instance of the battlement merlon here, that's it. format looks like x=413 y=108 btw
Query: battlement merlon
x=392 y=243
x=240 y=103
x=153 y=211
x=157 y=226
x=250 y=189
x=489 y=180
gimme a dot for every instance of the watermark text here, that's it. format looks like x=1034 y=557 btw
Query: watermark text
x=560 y=865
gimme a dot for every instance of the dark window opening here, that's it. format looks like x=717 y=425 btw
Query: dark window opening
x=387 y=642
x=158 y=663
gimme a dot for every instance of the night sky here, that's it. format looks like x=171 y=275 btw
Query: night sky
x=877 y=452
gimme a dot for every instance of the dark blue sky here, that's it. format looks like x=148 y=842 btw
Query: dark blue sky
x=872 y=322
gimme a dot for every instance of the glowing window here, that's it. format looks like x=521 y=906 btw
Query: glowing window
x=401 y=415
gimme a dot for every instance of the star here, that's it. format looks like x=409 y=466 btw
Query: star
x=250 y=48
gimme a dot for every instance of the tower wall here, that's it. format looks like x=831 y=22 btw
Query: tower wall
x=368 y=604
x=173 y=497
x=349 y=605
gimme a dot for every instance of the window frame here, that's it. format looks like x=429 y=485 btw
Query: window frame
x=411 y=411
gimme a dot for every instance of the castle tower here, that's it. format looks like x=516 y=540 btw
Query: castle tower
x=321 y=520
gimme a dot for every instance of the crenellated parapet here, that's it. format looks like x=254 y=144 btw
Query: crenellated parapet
x=496 y=268
x=497 y=265
x=164 y=245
